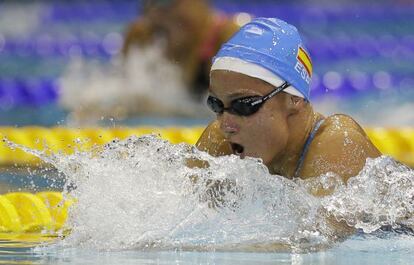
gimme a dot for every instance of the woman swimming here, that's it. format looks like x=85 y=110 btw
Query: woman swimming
x=259 y=89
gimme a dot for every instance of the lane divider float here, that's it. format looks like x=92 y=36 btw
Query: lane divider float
x=396 y=142
x=27 y=212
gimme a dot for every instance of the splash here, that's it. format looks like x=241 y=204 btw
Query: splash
x=145 y=193
x=141 y=193
x=143 y=83
x=381 y=194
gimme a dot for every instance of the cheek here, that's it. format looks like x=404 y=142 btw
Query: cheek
x=268 y=137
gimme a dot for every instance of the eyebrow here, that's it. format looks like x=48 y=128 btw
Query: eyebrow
x=241 y=95
x=236 y=95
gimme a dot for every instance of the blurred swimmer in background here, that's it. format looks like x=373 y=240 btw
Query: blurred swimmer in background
x=168 y=49
x=260 y=91
x=192 y=32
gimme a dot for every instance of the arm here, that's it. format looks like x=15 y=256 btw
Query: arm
x=341 y=147
x=213 y=141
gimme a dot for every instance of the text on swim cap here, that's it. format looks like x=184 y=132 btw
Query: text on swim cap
x=302 y=72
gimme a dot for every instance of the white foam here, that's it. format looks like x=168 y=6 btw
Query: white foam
x=139 y=194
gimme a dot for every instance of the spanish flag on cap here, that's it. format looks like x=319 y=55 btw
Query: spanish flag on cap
x=304 y=58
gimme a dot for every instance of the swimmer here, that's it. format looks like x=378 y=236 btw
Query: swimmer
x=176 y=37
x=193 y=33
x=259 y=90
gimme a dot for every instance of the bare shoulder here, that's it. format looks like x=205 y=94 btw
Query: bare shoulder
x=213 y=141
x=341 y=122
x=340 y=146
x=345 y=131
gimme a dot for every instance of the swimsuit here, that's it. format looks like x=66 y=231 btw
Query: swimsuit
x=306 y=147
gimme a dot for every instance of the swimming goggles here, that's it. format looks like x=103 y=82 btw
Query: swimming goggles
x=243 y=106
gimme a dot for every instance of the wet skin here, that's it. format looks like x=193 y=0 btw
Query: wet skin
x=278 y=131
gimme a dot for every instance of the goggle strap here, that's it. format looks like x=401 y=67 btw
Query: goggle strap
x=277 y=90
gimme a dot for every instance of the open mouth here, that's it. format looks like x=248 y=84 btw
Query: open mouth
x=237 y=149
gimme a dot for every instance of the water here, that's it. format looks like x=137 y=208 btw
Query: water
x=389 y=108
x=358 y=250
x=139 y=201
x=151 y=213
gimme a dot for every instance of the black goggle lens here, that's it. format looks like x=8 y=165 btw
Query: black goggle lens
x=242 y=107
x=245 y=106
x=215 y=104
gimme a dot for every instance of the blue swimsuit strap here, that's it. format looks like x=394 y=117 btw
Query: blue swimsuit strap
x=306 y=147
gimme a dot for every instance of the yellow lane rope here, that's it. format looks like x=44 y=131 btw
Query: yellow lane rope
x=398 y=143
x=26 y=212
x=61 y=139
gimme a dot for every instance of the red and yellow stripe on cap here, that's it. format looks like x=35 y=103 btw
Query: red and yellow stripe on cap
x=304 y=58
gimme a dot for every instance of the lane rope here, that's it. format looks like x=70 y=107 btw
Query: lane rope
x=396 y=142
x=30 y=213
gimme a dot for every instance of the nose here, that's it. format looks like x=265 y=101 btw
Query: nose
x=228 y=124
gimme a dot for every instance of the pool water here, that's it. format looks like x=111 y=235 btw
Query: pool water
x=389 y=248
x=115 y=218
x=135 y=203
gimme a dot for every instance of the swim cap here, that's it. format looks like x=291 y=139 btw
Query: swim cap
x=269 y=49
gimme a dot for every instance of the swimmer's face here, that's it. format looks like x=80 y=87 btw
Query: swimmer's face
x=263 y=134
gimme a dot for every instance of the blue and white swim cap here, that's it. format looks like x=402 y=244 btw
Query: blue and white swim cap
x=271 y=50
